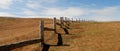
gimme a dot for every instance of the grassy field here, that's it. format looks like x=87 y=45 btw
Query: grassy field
x=84 y=36
x=93 y=37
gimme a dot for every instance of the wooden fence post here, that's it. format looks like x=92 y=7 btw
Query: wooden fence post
x=72 y=20
x=64 y=19
x=42 y=32
x=68 y=21
x=54 y=25
x=76 y=20
x=79 y=20
x=61 y=21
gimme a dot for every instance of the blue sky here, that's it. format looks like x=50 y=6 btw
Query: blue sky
x=99 y=10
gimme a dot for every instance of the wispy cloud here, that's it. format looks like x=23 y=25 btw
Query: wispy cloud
x=95 y=10
x=49 y=1
x=106 y=11
x=5 y=4
x=6 y=14
x=33 y=5
x=28 y=12
x=38 y=3
x=64 y=12
x=19 y=0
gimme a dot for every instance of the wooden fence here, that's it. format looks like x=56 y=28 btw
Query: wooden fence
x=63 y=21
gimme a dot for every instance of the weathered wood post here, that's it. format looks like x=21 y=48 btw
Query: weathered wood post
x=54 y=25
x=68 y=21
x=82 y=20
x=72 y=20
x=61 y=21
x=42 y=32
x=76 y=20
x=65 y=20
x=79 y=20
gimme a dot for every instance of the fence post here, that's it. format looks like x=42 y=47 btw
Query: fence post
x=65 y=20
x=42 y=32
x=68 y=21
x=76 y=20
x=72 y=19
x=61 y=21
x=79 y=20
x=54 y=25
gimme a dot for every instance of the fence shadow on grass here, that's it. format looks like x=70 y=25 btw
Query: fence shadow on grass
x=48 y=29
x=58 y=24
x=18 y=45
x=67 y=27
x=59 y=43
x=63 y=25
x=64 y=28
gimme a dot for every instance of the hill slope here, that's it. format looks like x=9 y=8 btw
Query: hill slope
x=84 y=36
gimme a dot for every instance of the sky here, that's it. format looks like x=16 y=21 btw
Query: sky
x=98 y=10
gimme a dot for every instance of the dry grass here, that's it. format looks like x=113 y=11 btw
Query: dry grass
x=84 y=36
x=93 y=37
x=18 y=29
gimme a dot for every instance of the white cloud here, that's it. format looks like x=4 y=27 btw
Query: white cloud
x=33 y=5
x=101 y=18
x=29 y=12
x=105 y=14
x=106 y=11
x=46 y=1
x=19 y=0
x=50 y=1
x=64 y=12
x=4 y=4
x=6 y=14
x=38 y=3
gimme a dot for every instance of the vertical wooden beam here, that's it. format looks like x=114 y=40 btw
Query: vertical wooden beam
x=82 y=20
x=68 y=21
x=61 y=21
x=65 y=20
x=76 y=20
x=54 y=25
x=79 y=20
x=72 y=19
x=42 y=32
